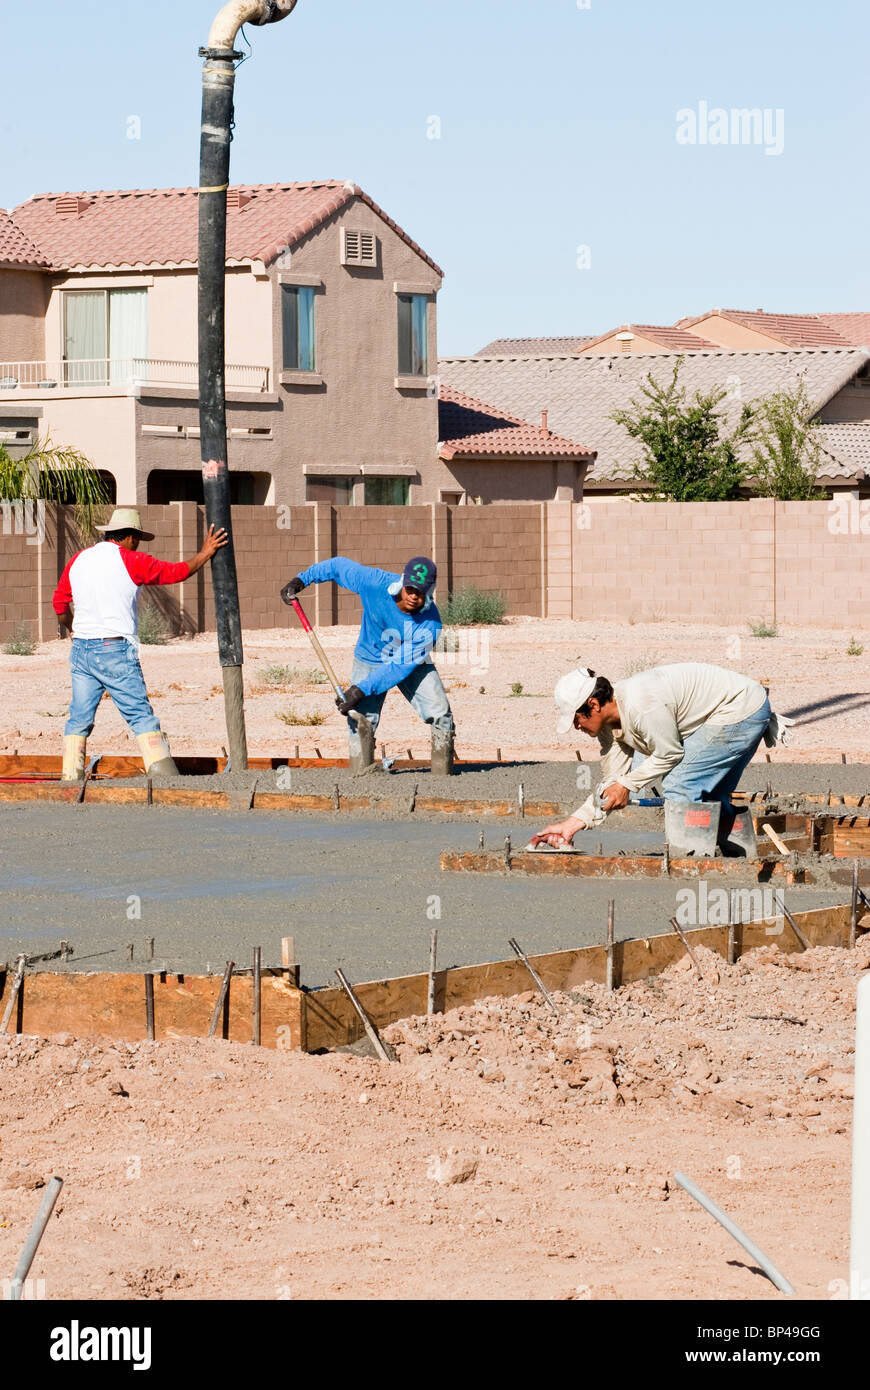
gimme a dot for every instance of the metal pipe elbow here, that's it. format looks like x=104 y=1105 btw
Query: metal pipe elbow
x=230 y=19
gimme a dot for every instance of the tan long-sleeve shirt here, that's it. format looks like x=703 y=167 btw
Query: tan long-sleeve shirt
x=660 y=708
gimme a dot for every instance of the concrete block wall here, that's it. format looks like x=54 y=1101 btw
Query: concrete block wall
x=727 y=562
x=500 y=547
x=712 y=562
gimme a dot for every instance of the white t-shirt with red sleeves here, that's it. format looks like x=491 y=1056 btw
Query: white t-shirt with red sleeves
x=103 y=583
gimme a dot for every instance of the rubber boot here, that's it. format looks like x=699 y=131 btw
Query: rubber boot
x=155 y=754
x=73 y=757
x=692 y=828
x=737 y=834
x=441 y=764
x=361 y=747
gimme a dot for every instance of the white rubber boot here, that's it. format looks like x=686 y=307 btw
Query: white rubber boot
x=73 y=757
x=155 y=754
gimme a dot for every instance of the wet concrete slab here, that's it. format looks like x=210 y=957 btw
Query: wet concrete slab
x=358 y=893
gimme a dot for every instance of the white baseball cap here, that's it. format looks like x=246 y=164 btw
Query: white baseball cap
x=571 y=692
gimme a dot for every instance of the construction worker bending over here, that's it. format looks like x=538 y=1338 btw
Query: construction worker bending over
x=102 y=584
x=400 y=626
x=690 y=729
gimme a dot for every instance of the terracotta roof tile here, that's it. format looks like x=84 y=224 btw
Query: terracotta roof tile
x=467 y=427
x=793 y=330
x=582 y=392
x=159 y=226
x=846 y=450
x=16 y=247
x=520 y=347
x=855 y=328
x=671 y=338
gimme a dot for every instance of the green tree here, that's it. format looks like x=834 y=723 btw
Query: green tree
x=690 y=455
x=54 y=474
x=787 y=447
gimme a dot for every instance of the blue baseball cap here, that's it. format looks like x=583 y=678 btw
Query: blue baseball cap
x=420 y=575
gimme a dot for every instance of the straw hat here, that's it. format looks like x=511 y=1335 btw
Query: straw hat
x=126 y=519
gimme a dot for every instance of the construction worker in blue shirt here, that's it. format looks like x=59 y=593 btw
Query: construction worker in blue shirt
x=400 y=626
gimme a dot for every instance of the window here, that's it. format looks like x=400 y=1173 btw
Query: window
x=105 y=336
x=167 y=485
x=297 y=321
x=413 y=335
x=338 y=491
x=386 y=492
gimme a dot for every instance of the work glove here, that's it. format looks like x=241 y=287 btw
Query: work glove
x=289 y=592
x=778 y=730
x=353 y=696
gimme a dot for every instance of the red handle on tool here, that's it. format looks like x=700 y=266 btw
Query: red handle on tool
x=301 y=615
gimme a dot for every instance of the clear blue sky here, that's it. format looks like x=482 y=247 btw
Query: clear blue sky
x=558 y=130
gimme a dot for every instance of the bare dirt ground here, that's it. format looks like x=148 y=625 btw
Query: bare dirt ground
x=507 y=1155
x=808 y=671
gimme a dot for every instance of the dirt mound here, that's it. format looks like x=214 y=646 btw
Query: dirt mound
x=508 y=1154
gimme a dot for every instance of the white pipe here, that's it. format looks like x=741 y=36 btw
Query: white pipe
x=859 y=1262
x=230 y=19
x=734 y=1230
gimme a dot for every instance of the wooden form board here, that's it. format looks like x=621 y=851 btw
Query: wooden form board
x=846 y=837
x=332 y=1022
x=113 y=1005
x=615 y=866
x=103 y=793
x=196 y=765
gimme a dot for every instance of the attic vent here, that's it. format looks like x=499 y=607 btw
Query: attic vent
x=358 y=247
x=237 y=198
x=69 y=207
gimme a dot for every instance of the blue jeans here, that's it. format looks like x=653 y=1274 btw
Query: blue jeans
x=423 y=689
x=96 y=665
x=714 y=760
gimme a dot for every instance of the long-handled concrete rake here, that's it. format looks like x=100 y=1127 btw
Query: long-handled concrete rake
x=364 y=728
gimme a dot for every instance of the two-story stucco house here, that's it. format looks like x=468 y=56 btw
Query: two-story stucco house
x=330 y=343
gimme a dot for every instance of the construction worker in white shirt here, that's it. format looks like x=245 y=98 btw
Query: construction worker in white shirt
x=690 y=729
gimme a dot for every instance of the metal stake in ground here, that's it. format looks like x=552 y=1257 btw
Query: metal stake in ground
x=218 y=80
x=372 y=1032
x=732 y=927
x=805 y=945
x=257 y=998
x=149 y=1005
x=682 y=935
x=853 y=916
x=518 y=951
x=218 y=1008
x=13 y=995
x=734 y=1230
x=433 y=956
x=37 y=1230
x=610 y=914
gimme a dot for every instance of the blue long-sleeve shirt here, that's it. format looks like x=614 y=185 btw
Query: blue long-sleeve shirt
x=394 y=641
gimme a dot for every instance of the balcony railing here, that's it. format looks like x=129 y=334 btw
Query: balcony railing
x=119 y=372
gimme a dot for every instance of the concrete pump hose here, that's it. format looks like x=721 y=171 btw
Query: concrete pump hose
x=230 y=19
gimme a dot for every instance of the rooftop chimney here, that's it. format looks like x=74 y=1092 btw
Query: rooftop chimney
x=544 y=421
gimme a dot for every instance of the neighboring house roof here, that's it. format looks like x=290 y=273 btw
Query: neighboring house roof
x=793 y=330
x=671 y=338
x=580 y=393
x=517 y=347
x=846 y=450
x=159 y=226
x=16 y=247
x=855 y=328
x=468 y=428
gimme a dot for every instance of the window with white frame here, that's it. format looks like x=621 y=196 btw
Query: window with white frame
x=105 y=335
